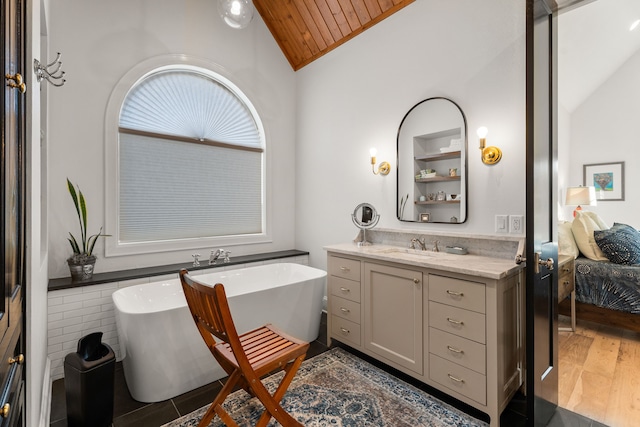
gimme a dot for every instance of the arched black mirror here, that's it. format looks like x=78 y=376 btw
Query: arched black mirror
x=432 y=163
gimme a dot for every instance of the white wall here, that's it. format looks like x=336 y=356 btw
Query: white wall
x=356 y=96
x=565 y=213
x=605 y=128
x=100 y=42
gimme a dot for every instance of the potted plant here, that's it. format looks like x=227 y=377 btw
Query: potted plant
x=82 y=262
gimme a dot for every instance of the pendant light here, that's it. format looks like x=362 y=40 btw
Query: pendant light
x=236 y=13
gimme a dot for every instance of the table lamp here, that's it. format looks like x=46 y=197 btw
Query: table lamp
x=580 y=196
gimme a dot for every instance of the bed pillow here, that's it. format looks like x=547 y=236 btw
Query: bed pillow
x=596 y=218
x=566 y=243
x=583 y=226
x=620 y=243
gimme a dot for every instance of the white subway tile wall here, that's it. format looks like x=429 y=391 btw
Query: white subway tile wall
x=74 y=313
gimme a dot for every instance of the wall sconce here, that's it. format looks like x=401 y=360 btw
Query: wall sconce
x=577 y=196
x=384 y=167
x=490 y=155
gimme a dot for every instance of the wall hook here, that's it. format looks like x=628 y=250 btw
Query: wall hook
x=50 y=72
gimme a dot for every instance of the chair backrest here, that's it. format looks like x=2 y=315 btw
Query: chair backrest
x=210 y=310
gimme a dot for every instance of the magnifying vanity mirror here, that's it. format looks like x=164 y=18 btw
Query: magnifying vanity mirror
x=365 y=217
x=432 y=163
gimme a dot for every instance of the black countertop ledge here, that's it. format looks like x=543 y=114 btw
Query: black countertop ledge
x=118 y=276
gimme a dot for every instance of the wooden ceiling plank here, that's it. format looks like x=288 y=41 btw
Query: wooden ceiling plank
x=300 y=28
x=349 y=12
x=329 y=16
x=385 y=4
x=339 y=16
x=272 y=15
x=317 y=26
x=361 y=12
x=373 y=7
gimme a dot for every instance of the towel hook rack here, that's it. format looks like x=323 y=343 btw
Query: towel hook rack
x=50 y=72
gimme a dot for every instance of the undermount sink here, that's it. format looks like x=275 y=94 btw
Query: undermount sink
x=405 y=251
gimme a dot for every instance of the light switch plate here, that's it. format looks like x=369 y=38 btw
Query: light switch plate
x=501 y=224
x=516 y=224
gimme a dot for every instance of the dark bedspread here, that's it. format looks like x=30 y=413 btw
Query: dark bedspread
x=608 y=285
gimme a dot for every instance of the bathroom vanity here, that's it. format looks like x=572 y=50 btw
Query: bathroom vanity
x=451 y=321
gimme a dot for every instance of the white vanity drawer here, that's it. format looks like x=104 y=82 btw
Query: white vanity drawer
x=464 y=323
x=461 y=380
x=345 y=330
x=345 y=268
x=458 y=293
x=345 y=288
x=346 y=309
x=462 y=351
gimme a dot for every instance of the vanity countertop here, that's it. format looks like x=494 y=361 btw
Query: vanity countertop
x=476 y=265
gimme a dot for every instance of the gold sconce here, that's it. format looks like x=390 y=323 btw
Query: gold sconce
x=490 y=155
x=384 y=167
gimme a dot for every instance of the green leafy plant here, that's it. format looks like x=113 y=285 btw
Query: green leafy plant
x=87 y=242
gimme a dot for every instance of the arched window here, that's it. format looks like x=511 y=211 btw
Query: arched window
x=190 y=163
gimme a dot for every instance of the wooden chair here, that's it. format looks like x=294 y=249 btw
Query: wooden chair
x=246 y=358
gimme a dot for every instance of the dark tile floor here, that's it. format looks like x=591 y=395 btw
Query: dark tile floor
x=129 y=412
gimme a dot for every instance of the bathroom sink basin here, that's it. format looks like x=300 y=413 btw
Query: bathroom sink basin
x=404 y=251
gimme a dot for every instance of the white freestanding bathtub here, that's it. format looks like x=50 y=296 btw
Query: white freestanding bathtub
x=163 y=352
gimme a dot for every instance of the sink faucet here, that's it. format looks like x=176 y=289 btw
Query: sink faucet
x=420 y=242
x=435 y=246
x=215 y=254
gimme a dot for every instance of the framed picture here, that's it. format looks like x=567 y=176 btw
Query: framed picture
x=607 y=178
x=424 y=217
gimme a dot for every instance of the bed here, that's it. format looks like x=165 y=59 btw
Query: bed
x=607 y=287
x=606 y=293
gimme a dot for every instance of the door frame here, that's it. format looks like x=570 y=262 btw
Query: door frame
x=541 y=398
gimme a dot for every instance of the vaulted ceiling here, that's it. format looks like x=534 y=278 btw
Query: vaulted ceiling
x=308 y=29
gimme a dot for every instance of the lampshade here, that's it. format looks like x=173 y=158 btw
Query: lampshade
x=577 y=196
x=236 y=13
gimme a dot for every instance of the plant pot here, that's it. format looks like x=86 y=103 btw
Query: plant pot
x=81 y=267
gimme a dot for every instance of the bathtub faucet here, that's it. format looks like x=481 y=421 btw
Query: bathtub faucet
x=215 y=254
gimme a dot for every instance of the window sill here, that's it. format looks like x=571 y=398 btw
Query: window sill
x=117 y=276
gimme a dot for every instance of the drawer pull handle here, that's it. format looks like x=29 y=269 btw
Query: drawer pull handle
x=455 y=294
x=19 y=359
x=566 y=270
x=4 y=411
x=345 y=290
x=454 y=321
x=345 y=269
x=458 y=380
x=455 y=350
x=345 y=331
x=566 y=282
x=345 y=310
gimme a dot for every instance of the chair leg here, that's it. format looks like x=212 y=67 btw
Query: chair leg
x=272 y=403
x=216 y=405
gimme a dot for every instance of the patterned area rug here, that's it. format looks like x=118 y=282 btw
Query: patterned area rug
x=338 y=389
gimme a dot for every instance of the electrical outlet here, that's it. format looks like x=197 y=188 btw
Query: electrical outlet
x=501 y=224
x=516 y=224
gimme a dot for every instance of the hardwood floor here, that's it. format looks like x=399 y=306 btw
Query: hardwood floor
x=599 y=370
